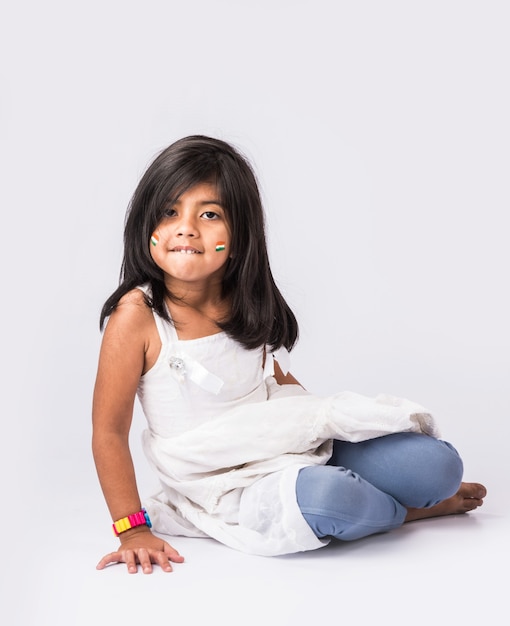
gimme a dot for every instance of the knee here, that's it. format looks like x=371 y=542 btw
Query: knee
x=450 y=467
x=317 y=487
x=337 y=502
x=440 y=468
x=340 y=496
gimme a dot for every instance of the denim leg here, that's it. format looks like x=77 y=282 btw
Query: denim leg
x=337 y=502
x=366 y=487
x=417 y=470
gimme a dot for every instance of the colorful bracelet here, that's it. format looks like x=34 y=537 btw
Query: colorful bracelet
x=131 y=521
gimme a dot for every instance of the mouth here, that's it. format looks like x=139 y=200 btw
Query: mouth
x=185 y=250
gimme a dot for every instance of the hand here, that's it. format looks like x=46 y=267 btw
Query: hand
x=141 y=546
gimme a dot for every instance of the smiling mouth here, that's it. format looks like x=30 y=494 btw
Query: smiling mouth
x=183 y=250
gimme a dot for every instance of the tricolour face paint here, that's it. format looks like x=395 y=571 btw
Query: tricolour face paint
x=154 y=239
x=220 y=246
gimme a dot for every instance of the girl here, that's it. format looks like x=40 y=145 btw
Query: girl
x=200 y=332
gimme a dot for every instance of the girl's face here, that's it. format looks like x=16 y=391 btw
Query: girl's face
x=191 y=244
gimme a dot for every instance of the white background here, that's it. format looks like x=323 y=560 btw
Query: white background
x=380 y=134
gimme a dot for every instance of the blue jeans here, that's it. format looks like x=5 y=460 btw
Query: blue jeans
x=366 y=487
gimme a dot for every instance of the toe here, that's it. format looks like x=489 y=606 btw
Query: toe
x=473 y=490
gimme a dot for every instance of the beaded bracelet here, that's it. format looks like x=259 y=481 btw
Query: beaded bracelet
x=131 y=521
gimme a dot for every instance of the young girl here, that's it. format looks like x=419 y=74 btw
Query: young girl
x=200 y=332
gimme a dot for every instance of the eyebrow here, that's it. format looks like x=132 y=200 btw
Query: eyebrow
x=215 y=202
x=201 y=203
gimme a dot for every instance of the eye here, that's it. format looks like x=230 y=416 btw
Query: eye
x=169 y=212
x=210 y=215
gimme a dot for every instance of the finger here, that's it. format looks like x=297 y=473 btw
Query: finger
x=144 y=560
x=113 y=557
x=128 y=556
x=162 y=560
x=172 y=554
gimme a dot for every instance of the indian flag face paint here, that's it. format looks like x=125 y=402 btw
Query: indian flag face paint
x=220 y=246
x=154 y=239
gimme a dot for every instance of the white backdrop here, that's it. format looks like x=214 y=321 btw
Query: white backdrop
x=380 y=133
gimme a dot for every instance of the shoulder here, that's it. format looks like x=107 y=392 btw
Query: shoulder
x=130 y=338
x=136 y=297
x=126 y=340
x=131 y=314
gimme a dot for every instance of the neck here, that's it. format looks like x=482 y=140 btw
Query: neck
x=195 y=296
x=190 y=300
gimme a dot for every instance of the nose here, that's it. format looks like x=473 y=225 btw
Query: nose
x=187 y=227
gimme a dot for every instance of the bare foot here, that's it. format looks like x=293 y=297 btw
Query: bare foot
x=468 y=497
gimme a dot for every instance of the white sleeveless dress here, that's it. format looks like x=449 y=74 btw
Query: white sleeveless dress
x=227 y=441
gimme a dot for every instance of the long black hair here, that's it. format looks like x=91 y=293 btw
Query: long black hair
x=259 y=314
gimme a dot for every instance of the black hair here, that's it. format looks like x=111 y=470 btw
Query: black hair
x=259 y=314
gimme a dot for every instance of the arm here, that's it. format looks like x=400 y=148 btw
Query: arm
x=122 y=360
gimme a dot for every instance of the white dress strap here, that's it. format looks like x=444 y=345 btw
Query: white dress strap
x=282 y=356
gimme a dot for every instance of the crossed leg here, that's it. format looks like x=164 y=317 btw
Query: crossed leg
x=377 y=485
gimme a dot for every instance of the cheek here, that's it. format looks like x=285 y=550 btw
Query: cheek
x=223 y=242
x=156 y=244
x=153 y=253
x=226 y=237
x=159 y=238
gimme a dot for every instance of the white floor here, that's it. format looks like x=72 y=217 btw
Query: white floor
x=449 y=570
